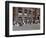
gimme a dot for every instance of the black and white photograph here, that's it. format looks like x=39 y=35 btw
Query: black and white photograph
x=24 y=18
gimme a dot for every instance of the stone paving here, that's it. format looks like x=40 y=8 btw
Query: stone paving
x=26 y=27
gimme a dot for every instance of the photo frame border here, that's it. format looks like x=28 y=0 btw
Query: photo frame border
x=7 y=18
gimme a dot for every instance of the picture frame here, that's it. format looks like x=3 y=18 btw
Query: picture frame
x=9 y=18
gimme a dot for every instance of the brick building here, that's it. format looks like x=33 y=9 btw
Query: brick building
x=24 y=15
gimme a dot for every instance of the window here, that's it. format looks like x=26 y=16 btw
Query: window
x=19 y=11
x=29 y=11
x=25 y=10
